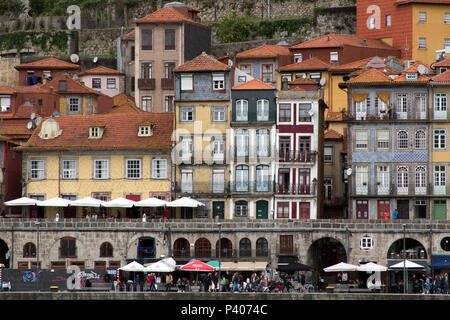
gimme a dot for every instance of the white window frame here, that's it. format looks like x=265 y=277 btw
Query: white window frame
x=334 y=57
x=5 y=103
x=185 y=112
x=422 y=43
x=69 y=173
x=218 y=150
x=411 y=76
x=447 y=18
x=38 y=172
x=402 y=139
x=242 y=142
x=439 y=139
x=159 y=168
x=316 y=76
x=388 y=20
x=262 y=110
x=94 y=132
x=383 y=142
x=187 y=82
x=241 y=110
x=262 y=178
x=328 y=154
x=187 y=185
x=218 y=180
x=133 y=173
x=263 y=142
x=242 y=179
x=401 y=109
x=383 y=180
x=101 y=169
x=420 y=139
x=422 y=17
x=144 y=131
x=111 y=83
x=218 y=81
x=420 y=179
x=72 y=104
x=402 y=179
x=366 y=243
x=298 y=57
x=361 y=139
x=439 y=179
x=440 y=106
x=219 y=114
x=361 y=179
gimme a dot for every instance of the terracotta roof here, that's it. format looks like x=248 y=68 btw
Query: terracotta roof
x=370 y=76
x=414 y=68
x=120 y=132
x=203 y=62
x=309 y=64
x=254 y=84
x=73 y=86
x=442 y=63
x=15 y=127
x=334 y=40
x=335 y=116
x=352 y=65
x=7 y=90
x=101 y=70
x=264 y=51
x=130 y=35
x=48 y=63
x=331 y=134
x=167 y=15
x=401 y=2
x=443 y=77
x=303 y=81
x=37 y=88
x=124 y=104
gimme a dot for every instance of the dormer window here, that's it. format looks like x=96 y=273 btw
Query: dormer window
x=411 y=76
x=145 y=131
x=5 y=103
x=218 y=81
x=95 y=132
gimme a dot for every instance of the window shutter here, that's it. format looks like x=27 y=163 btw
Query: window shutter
x=186 y=82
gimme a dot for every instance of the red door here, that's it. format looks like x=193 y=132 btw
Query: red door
x=383 y=206
x=362 y=209
x=304 y=210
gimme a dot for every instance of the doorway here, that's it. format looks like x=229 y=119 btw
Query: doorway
x=219 y=209
x=362 y=209
x=383 y=206
x=403 y=209
x=4 y=251
x=262 y=208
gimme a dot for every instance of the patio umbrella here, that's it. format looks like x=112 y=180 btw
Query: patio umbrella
x=151 y=202
x=185 y=202
x=159 y=266
x=340 y=267
x=133 y=266
x=119 y=203
x=409 y=265
x=170 y=261
x=55 y=202
x=197 y=265
x=213 y=263
x=371 y=267
x=24 y=201
x=87 y=202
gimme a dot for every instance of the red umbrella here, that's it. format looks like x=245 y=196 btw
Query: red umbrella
x=197 y=265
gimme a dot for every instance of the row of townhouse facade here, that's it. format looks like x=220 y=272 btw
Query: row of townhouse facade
x=398 y=144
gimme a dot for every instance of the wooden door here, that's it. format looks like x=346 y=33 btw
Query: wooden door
x=362 y=209
x=383 y=206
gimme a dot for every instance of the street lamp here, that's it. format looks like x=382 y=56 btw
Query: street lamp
x=405 y=279
x=37 y=223
x=220 y=249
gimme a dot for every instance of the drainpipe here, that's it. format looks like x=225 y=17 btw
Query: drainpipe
x=430 y=251
x=347 y=243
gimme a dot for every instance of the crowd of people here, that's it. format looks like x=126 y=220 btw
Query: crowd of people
x=431 y=284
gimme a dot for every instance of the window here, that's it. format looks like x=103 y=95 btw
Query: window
x=187 y=82
x=402 y=139
x=245 y=247
x=67 y=248
x=241 y=143
x=242 y=178
x=383 y=139
x=186 y=148
x=146 y=70
x=283 y=210
x=218 y=180
x=263 y=142
x=111 y=83
x=168 y=70
x=242 y=79
x=169 y=39
x=422 y=43
x=439 y=138
x=420 y=139
x=362 y=174
x=298 y=57
x=62 y=85
x=334 y=57
x=439 y=176
x=311 y=55
x=241 y=110
x=5 y=103
x=132 y=53
x=94 y=132
x=402 y=180
x=440 y=104
x=101 y=169
x=267 y=73
x=145 y=131
x=262 y=247
x=262 y=110
x=106 y=250
x=168 y=103
x=69 y=169
x=411 y=76
x=147 y=103
x=315 y=76
x=422 y=17
x=218 y=81
x=218 y=114
x=402 y=106
x=159 y=168
x=133 y=168
x=361 y=139
x=37 y=169
x=328 y=154
x=241 y=209
x=300 y=75
x=447 y=18
x=99 y=264
x=421 y=105
x=328 y=186
x=247 y=68
x=262 y=178
x=29 y=250
x=74 y=105
x=218 y=149
x=366 y=243
x=388 y=20
x=186 y=181
x=187 y=113
x=96 y=83
x=304 y=112
x=446 y=42
x=181 y=248
x=420 y=177
x=285 y=113
x=146 y=39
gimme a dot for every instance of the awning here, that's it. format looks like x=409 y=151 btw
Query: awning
x=358 y=97
x=243 y=266
x=292 y=267
x=55 y=202
x=440 y=261
x=119 y=203
x=151 y=202
x=24 y=201
x=185 y=202
x=87 y=202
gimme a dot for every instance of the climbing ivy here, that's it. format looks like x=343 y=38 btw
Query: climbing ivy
x=45 y=40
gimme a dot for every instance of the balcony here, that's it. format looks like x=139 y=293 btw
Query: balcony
x=295 y=189
x=146 y=84
x=394 y=190
x=297 y=156
x=226 y=255
x=203 y=188
x=251 y=186
x=167 y=83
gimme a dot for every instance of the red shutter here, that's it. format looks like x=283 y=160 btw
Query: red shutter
x=133 y=197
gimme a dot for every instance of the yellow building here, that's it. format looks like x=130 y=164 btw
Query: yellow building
x=99 y=156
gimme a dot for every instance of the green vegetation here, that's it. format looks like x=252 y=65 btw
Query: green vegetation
x=11 y=8
x=45 y=40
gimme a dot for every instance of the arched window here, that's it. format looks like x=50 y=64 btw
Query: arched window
x=226 y=248
x=402 y=177
x=241 y=110
x=202 y=248
x=402 y=139
x=67 y=248
x=241 y=209
x=106 y=249
x=245 y=247
x=421 y=177
x=181 y=248
x=242 y=178
x=29 y=250
x=420 y=139
x=262 y=110
x=262 y=178
x=262 y=247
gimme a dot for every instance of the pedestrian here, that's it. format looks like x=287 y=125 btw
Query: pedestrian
x=235 y=281
x=166 y=214
x=344 y=277
x=152 y=282
x=224 y=284
x=386 y=215
x=395 y=214
x=302 y=282
x=339 y=278
x=169 y=280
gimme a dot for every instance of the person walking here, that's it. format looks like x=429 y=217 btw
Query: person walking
x=169 y=280
x=235 y=281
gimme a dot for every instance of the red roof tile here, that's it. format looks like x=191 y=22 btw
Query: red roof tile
x=124 y=104
x=264 y=51
x=442 y=63
x=15 y=127
x=203 y=62
x=120 y=132
x=331 y=134
x=300 y=81
x=254 y=84
x=371 y=76
x=48 y=63
x=443 y=77
x=168 y=15
x=101 y=70
x=7 y=90
x=73 y=86
x=401 y=2
x=130 y=35
x=334 y=40
x=414 y=68
x=310 y=64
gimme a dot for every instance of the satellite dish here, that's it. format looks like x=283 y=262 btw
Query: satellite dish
x=32 y=116
x=38 y=121
x=311 y=113
x=322 y=81
x=230 y=63
x=55 y=114
x=422 y=69
x=30 y=125
x=349 y=171
x=74 y=58
x=95 y=59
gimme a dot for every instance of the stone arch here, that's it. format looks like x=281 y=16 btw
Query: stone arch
x=245 y=247
x=4 y=253
x=202 y=248
x=226 y=248
x=181 y=248
x=262 y=247
x=414 y=249
x=325 y=252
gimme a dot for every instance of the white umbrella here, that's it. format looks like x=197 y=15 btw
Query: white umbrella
x=87 y=202
x=119 y=203
x=151 y=202
x=159 y=266
x=133 y=266
x=185 y=202
x=55 y=202
x=170 y=261
x=409 y=265
x=340 y=267
x=370 y=267
x=24 y=201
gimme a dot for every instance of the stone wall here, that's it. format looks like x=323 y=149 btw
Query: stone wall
x=8 y=75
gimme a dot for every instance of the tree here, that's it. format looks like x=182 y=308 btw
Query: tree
x=234 y=29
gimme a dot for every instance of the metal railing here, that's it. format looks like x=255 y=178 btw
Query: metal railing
x=226 y=255
x=297 y=156
x=294 y=189
x=146 y=84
